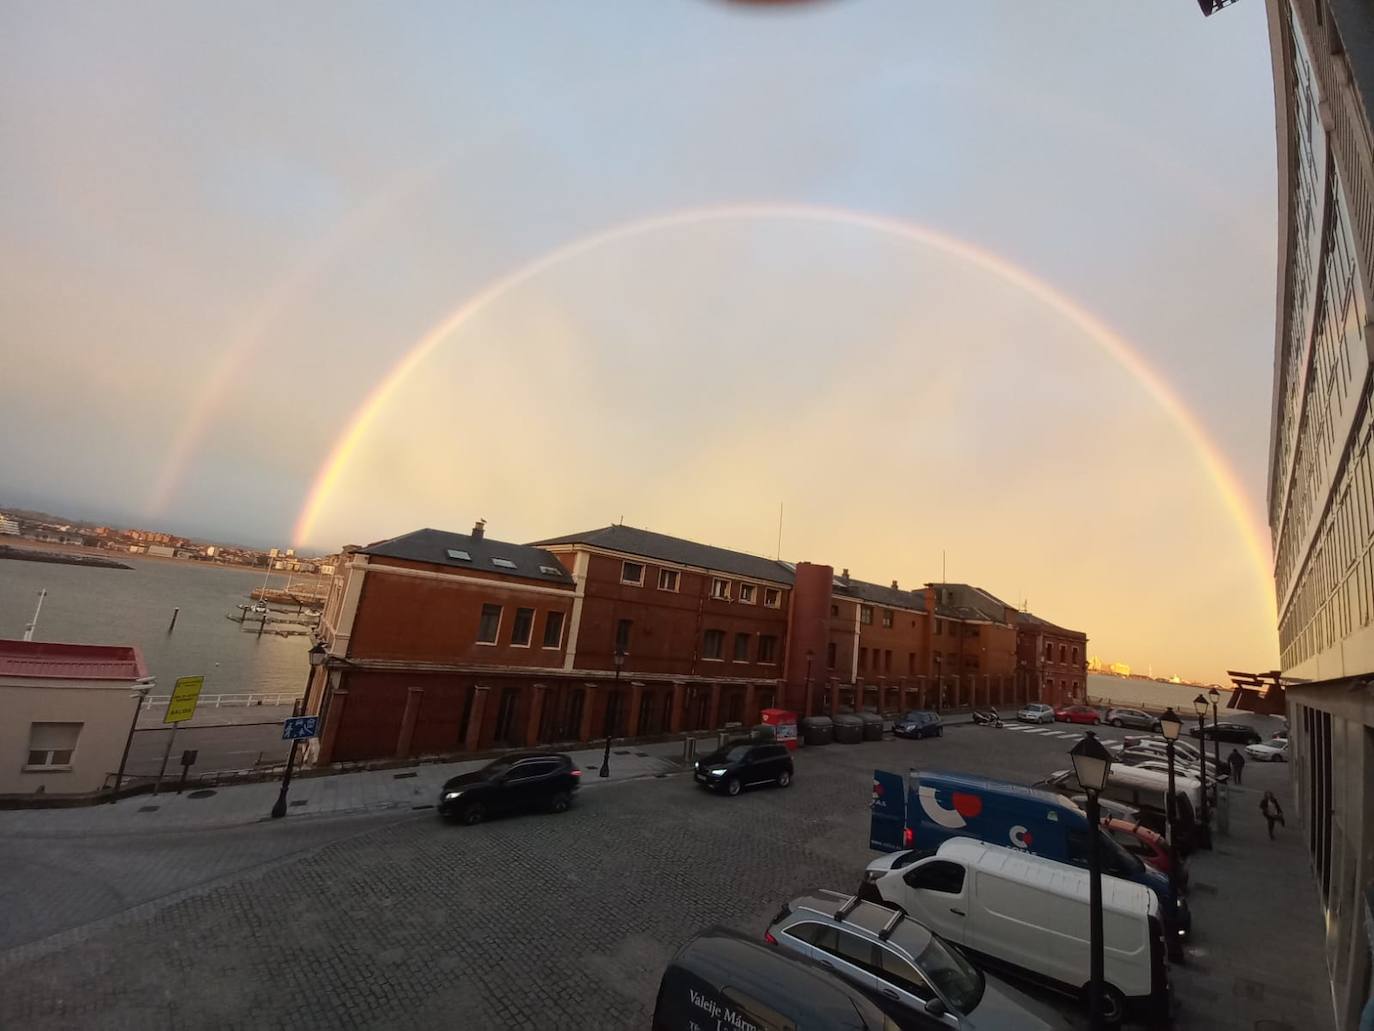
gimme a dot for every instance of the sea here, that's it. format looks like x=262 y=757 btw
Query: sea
x=134 y=606
x=1139 y=693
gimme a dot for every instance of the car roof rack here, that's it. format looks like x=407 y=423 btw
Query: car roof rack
x=886 y=932
x=850 y=905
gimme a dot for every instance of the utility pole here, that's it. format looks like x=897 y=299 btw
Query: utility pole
x=33 y=623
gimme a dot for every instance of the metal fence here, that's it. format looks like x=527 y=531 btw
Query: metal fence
x=218 y=700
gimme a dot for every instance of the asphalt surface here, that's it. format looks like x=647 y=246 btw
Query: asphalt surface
x=527 y=922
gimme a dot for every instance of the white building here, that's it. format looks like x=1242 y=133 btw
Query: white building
x=8 y=525
x=67 y=712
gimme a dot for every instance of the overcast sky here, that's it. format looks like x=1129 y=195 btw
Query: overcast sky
x=222 y=225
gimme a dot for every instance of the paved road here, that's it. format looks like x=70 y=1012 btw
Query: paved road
x=528 y=922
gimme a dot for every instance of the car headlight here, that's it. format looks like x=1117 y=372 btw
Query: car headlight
x=451 y=794
x=871 y=875
x=718 y=772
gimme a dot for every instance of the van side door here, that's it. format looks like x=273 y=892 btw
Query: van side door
x=937 y=895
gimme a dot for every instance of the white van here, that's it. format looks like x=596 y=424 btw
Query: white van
x=1140 y=789
x=1028 y=916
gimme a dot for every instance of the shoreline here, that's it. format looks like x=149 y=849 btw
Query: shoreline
x=28 y=544
x=89 y=561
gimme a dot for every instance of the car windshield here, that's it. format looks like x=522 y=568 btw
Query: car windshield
x=953 y=976
x=495 y=768
x=914 y=716
x=736 y=753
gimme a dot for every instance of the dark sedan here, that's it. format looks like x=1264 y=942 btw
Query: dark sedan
x=1238 y=732
x=918 y=723
x=512 y=783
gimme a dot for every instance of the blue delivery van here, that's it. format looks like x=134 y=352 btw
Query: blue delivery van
x=926 y=808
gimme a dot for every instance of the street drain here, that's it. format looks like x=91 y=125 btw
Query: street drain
x=301 y=801
x=431 y=806
x=201 y=793
x=403 y=776
x=149 y=808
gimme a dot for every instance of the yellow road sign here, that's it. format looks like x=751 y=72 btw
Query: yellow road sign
x=182 y=705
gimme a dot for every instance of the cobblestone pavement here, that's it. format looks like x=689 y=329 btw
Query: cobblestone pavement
x=528 y=922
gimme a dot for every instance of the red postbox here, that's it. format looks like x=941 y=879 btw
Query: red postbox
x=785 y=723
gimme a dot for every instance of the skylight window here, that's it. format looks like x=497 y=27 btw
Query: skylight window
x=503 y=563
x=550 y=571
x=461 y=556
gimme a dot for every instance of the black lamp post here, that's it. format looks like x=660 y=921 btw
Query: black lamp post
x=619 y=659
x=1170 y=726
x=1215 y=696
x=1205 y=818
x=317 y=656
x=141 y=689
x=1091 y=765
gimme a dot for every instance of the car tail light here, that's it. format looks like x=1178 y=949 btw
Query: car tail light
x=907 y=837
x=768 y=937
x=576 y=773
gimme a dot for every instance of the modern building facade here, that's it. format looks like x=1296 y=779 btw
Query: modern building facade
x=445 y=643
x=1321 y=477
x=68 y=710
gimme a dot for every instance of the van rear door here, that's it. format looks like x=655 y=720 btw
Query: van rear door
x=887 y=812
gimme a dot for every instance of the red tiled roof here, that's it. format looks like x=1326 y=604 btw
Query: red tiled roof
x=71 y=661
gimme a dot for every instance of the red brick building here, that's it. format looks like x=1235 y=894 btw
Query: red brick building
x=1053 y=658
x=444 y=643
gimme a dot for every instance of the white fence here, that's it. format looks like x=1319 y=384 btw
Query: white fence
x=218 y=700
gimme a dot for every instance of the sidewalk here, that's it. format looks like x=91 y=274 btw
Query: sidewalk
x=415 y=787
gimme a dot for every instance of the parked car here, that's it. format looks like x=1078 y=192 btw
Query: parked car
x=1149 y=759
x=1148 y=844
x=919 y=723
x=1241 y=733
x=721 y=979
x=1028 y=916
x=1110 y=809
x=877 y=948
x=1270 y=752
x=514 y=782
x=1132 y=718
x=1077 y=714
x=1143 y=790
x=1184 y=752
x=1279 y=735
x=741 y=765
x=1036 y=712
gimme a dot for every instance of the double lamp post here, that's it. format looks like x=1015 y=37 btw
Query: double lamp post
x=1092 y=764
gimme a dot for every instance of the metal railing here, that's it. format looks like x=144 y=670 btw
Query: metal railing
x=217 y=700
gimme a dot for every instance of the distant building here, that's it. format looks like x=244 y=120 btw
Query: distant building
x=161 y=551
x=272 y=553
x=211 y=551
x=8 y=526
x=68 y=708
x=1120 y=669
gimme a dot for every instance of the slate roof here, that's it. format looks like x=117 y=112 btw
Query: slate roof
x=434 y=546
x=631 y=540
x=877 y=594
x=1032 y=618
x=969 y=602
x=71 y=661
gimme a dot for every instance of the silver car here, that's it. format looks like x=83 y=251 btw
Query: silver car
x=1036 y=712
x=1132 y=718
x=896 y=959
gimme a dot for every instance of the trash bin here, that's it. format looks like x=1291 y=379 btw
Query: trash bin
x=849 y=729
x=873 y=726
x=818 y=730
x=786 y=723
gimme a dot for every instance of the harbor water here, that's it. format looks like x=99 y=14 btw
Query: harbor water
x=134 y=606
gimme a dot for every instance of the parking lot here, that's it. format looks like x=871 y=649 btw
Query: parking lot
x=567 y=921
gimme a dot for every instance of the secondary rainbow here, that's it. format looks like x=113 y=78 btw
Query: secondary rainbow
x=1111 y=343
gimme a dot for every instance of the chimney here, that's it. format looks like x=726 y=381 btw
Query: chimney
x=844 y=575
x=894 y=585
x=479 y=529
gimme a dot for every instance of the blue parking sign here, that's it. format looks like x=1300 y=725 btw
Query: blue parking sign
x=298 y=727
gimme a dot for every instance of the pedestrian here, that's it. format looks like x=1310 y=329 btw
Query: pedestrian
x=1237 y=763
x=1273 y=812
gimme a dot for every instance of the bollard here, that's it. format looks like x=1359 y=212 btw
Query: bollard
x=188 y=759
x=689 y=748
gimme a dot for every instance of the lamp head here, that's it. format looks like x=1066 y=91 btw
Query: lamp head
x=1170 y=724
x=1200 y=705
x=1091 y=763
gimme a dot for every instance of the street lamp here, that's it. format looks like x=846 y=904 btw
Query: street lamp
x=1170 y=725
x=318 y=654
x=1092 y=764
x=619 y=659
x=141 y=688
x=1215 y=696
x=1205 y=820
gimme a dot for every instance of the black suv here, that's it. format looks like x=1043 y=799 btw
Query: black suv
x=522 y=780
x=1238 y=732
x=743 y=764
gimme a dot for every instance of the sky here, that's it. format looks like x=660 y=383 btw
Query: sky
x=985 y=288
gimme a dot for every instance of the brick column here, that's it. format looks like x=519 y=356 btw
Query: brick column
x=473 y=741
x=679 y=704
x=987 y=689
x=713 y=713
x=834 y=698
x=751 y=716
x=408 y=718
x=538 y=698
x=338 y=704
x=632 y=717
x=584 y=732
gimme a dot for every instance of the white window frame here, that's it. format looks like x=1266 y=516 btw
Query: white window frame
x=776 y=603
x=632 y=583
x=48 y=766
x=562 y=629
x=722 y=595
x=534 y=616
x=753 y=593
x=677 y=579
x=500 y=618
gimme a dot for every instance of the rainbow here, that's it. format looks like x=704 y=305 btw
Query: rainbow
x=1111 y=343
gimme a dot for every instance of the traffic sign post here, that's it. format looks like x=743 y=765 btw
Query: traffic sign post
x=296 y=729
x=180 y=707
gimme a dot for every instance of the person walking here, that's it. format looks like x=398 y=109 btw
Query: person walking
x=1273 y=812
x=1237 y=763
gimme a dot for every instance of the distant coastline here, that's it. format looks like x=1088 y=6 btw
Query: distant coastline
x=70 y=557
